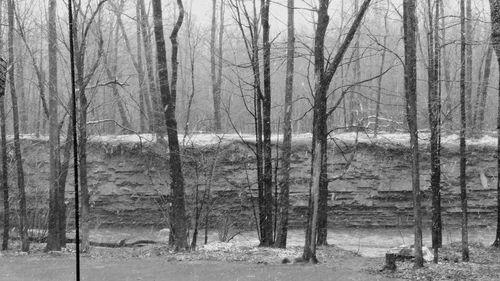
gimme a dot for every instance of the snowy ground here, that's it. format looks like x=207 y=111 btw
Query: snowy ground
x=206 y=139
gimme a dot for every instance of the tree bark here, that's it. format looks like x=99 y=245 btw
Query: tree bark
x=463 y=127
x=468 y=73
x=434 y=107
x=481 y=102
x=495 y=43
x=410 y=24
x=111 y=72
x=4 y=180
x=284 y=200
x=323 y=78
x=144 y=101
x=54 y=237
x=157 y=118
x=168 y=97
x=379 y=81
x=267 y=223
x=213 y=75
x=23 y=226
x=448 y=83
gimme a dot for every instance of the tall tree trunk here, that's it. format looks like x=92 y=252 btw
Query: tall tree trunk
x=323 y=78
x=157 y=118
x=481 y=102
x=23 y=226
x=410 y=24
x=213 y=75
x=379 y=81
x=468 y=63
x=448 y=102
x=4 y=180
x=354 y=98
x=220 y=61
x=53 y=239
x=82 y=155
x=21 y=92
x=168 y=97
x=434 y=107
x=267 y=224
x=111 y=72
x=463 y=127
x=284 y=200
x=144 y=107
x=495 y=42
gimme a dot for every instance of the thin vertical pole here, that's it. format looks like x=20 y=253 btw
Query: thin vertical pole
x=75 y=141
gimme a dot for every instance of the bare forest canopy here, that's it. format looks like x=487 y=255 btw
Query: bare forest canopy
x=121 y=78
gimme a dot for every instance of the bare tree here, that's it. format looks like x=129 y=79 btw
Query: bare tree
x=168 y=98
x=53 y=239
x=463 y=127
x=216 y=91
x=4 y=181
x=495 y=42
x=82 y=26
x=410 y=25
x=434 y=106
x=284 y=200
x=17 y=143
x=468 y=63
x=323 y=78
x=157 y=118
x=483 y=92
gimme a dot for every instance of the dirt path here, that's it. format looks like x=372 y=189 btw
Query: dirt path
x=62 y=269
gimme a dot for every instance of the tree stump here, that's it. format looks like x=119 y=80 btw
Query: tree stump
x=390 y=261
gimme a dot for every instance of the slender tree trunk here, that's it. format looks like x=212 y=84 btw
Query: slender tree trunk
x=157 y=118
x=111 y=72
x=4 y=177
x=468 y=73
x=323 y=78
x=434 y=106
x=448 y=102
x=354 y=99
x=284 y=200
x=213 y=75
x=481 y=103
x=21 y=92
x=4 y=180
x=17 y=144
x=143 y=104
x=220 y=61
x=267 y=224
x=495 y=43
x=463 y=127
x=379 y=81
x=168 y=97
x=54 y=237
x=410 y=23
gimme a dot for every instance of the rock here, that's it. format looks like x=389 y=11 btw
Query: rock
x=163 y=234
x=408 y=252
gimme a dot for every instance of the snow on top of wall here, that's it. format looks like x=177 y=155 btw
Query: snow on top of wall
x=206 y=139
